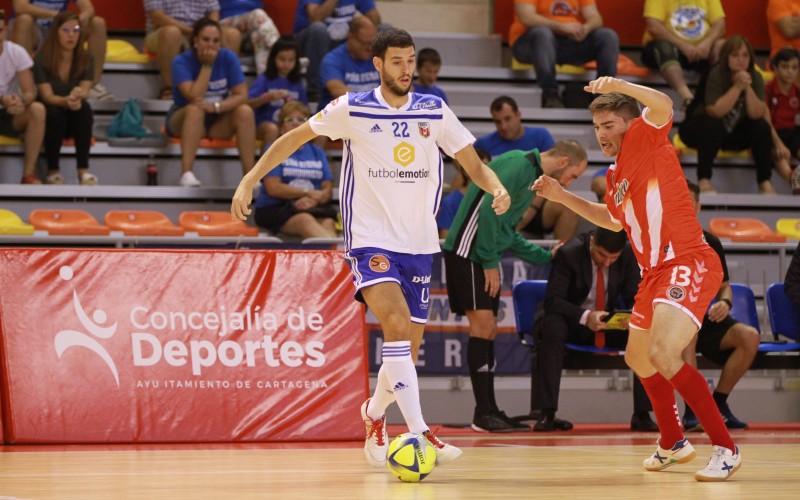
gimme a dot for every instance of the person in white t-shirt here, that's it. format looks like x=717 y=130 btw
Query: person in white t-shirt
x=20 y=114
x=389 y=194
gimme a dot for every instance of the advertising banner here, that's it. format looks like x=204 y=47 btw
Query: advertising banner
x=444 y=345
x=180 y=345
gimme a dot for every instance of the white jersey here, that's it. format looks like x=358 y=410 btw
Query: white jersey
x=13 y=60
x=391 y=181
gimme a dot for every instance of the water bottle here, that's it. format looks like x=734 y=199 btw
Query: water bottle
x=152 y=172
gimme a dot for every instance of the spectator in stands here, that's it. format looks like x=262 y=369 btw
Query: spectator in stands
x=541 y=217
x=349 y=68
x=575 y=307
x=783 y=100
x=549 y=32
x=728 y=112
x=721 y=339
x=278 y=84
x=598 y=185
x=33 y=19
x=63 y=73
x=250 y=21
x=783 y=24
x=321 y=25
x=295 y=197
x=429 y=62
x=682 y=35
x=210 y=100
x=451 y=202
x=791 y=283
x=472 y=253
x=169 y=29
x=19 y=113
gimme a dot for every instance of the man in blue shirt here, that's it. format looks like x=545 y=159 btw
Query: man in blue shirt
x=323 y=24
x=349 y=68
x=541 y=217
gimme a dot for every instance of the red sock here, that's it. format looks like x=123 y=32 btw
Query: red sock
x=692 y=386
x=662 y=397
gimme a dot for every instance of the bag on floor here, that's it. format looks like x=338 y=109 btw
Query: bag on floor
x=128 y=122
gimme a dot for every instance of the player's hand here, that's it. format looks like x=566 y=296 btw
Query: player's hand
x=501 y=201
x=240 y=204
x=492 y=279
x=595 y=321
x=605 y=85
x=742 y=79
x=782 y=152
x=718 y=311
x=555 y=249
x=547 y=187
x=305 y=202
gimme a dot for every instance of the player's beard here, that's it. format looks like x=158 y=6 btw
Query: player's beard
x=392 y=84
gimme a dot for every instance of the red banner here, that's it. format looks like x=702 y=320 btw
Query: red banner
x=163 y=345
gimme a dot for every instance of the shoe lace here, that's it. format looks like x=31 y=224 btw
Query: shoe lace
x=430 y=436
x=717 y=459
x=376 y=429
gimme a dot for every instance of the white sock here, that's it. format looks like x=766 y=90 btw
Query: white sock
x=382 y=397
x=402 y=377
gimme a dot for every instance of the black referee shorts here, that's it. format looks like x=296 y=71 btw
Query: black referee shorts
x=466 y=285
x=709 y=338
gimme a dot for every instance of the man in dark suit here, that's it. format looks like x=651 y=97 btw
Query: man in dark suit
x=592 y=274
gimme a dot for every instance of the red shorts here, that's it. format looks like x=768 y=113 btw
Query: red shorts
x=688 y=282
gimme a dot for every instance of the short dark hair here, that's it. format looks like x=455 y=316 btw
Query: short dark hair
x=499 y=102
x=785 y=54
x=694 y=189
x=611 y=241
x=390 y=37
x=570 y=148
x=2 y=15
x=428 y=55
x=625 y=106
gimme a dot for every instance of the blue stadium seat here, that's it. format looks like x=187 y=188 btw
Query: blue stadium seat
x=744 y=310
x=526 y=297
x=783 y=316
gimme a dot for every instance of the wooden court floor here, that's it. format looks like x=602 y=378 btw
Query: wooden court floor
x=514 y=466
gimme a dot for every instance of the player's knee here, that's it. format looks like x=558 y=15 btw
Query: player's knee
x=749 y=338
x=607 y=37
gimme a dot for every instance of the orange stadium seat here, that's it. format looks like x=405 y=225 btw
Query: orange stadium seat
x=789 y=228
x=67 y=221
x=744 y=229
x=215 y=224
x=142 y=223
x=205 y=142
x=10 y=223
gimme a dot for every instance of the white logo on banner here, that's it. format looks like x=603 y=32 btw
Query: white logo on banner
x=72 y=338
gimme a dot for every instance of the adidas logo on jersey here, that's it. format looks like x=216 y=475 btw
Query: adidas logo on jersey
x=375 y=129
x=399 y=386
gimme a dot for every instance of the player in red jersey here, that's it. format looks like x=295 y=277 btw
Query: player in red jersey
x=647 y=196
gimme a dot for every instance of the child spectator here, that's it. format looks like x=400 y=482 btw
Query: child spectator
x=295 y=197
x=64 y=95
x=429 y=62
x=279 y=84
x=783 y=99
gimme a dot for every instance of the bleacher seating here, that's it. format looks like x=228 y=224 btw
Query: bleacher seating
x=67 y=221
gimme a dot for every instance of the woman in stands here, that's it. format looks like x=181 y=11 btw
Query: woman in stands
x=279 y=84
x=210 y=99
x=63 y=73
x=295 y=197
x=728 y=112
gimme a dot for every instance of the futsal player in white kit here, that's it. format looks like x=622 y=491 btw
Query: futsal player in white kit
x=390 y=190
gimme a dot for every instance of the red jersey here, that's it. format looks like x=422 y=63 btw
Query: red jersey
x=782 y=107
x=647 y=193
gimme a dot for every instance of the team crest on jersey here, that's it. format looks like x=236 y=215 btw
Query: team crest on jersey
x=379 y=263
x=562 y=9
x=676 y=293
x=424 y=129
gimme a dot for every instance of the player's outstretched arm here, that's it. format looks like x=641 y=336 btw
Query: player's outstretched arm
x=485 y=178
x=596 y=213
x=281 y=149
x=658 y=103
